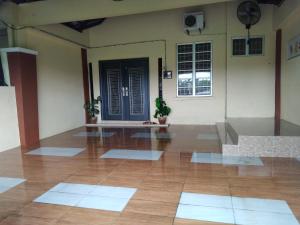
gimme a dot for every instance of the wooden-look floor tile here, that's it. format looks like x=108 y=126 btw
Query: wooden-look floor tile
x=152 y=208
x=22 y=195
x=129 y=218
x=159 y=196
x=162 y=171
x=122 y=181
x=194 y=222
x=208 y=180
x=156 y=185
x=46 y=211
x=174 y=178
x=206 y=189
x=256 y=192
x=84 y=179
x=80 y=216
x=25 y=220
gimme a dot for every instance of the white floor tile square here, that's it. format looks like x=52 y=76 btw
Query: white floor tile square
x=246 y=217
x=94 y=134
x=241 y=160
x=214 y=158
x=204 y=213
x=208 y=136
x=133 y=154
x=247 y=211
x=262 y=205
x=88 y=196
x=206 y=200
x=58 y=187
x=53 y=151
x=103 y=203
x=7 y=183
x=59 y=198
x=4 y=189
x=115 y=192
x=82 y=189
x=153 y=135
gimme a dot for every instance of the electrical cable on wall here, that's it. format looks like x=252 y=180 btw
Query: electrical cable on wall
x=90 y=47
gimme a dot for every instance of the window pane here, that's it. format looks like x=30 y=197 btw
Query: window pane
x=203 y=47
x=185 y=57
x=255 y=46
x=204 y=65
x=203 y=90
x=203 y=83
x=185 y=48
x=203 y=56
x=185 y=83
x=185 y=66
x=239 y=46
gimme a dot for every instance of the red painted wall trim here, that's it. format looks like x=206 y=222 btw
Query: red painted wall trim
x=85 y=76
x=23 y=75
x=278 y=81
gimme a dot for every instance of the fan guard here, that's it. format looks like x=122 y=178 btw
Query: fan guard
x=248 y=12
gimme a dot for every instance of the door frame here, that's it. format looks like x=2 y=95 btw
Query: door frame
x=147 y=83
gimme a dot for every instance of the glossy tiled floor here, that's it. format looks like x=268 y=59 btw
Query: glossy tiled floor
x=159 y=183
x=55 y=151
x=218 y=158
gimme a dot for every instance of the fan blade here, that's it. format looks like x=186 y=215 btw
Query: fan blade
x=242 y=14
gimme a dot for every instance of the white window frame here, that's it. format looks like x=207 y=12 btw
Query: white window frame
x=247 y=46
x=194 y=70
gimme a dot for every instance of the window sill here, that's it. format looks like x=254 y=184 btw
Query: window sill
x=194 y=97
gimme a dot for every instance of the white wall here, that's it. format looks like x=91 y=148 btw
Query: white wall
x=250 y=79
x=168 y=26
x=290 y=69
x=60 y=83
x=9 y=128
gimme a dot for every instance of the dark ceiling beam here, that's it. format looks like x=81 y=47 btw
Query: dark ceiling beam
x=271 y=2
x=24 y=1
x=83 y=25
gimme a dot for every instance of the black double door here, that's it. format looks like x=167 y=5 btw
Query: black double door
x=124 y=88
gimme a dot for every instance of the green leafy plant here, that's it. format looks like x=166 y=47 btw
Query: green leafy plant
x=161 y=108
x=92 y=108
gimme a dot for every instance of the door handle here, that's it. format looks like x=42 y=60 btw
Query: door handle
x=126 y=91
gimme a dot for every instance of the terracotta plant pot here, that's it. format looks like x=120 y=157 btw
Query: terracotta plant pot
x=162 y=120
x=93 y=120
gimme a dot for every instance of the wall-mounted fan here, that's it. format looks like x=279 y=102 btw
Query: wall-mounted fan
x=248 y=12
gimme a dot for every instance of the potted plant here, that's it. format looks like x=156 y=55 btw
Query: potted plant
x=92 y=109
x=162 y=110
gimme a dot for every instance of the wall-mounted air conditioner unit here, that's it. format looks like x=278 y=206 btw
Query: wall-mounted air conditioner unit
x=193 y=23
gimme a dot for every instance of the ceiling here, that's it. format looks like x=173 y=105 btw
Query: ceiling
x=75 y=25
x=84 y=14
x=84 y=24
x=274 y=2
